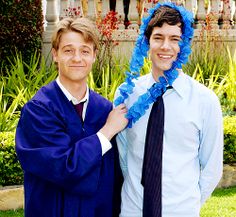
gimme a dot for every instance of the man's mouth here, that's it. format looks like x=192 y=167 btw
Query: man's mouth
x=162 y=56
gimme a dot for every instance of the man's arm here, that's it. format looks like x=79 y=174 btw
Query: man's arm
x=123 y=149
x=211 y=149
x=118 y=181
x=46 y=150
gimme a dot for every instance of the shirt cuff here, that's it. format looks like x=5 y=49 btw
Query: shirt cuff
x=105 y=143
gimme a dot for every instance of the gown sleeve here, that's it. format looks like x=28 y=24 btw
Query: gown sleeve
x=45 y=149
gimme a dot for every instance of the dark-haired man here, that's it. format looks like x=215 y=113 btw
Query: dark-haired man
x=168 y=173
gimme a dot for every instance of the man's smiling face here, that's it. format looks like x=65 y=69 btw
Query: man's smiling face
x=164 y=47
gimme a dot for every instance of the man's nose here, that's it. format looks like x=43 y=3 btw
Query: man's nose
x=77 y=56
x=166 y=44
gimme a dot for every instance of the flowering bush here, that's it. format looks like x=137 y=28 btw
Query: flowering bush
x=73 y=12
x=106 y=28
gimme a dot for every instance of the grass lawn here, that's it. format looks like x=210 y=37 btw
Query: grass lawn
x=17 y=213
x=221 y=204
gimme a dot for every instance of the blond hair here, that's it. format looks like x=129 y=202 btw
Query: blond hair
x=82 y=25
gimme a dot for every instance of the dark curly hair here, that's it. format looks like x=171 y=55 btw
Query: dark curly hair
x=163 y=14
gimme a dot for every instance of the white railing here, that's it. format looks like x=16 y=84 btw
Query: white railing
x=218 y=15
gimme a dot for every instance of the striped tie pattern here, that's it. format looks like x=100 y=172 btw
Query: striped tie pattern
x=152 y=163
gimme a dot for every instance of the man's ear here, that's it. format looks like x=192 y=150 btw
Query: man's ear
x=54 y=55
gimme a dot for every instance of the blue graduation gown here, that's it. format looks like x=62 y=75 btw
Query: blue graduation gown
x=65 y=174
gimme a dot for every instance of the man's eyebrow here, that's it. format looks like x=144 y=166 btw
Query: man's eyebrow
x=160 y=34
x=176 y=36
x=157 y=34
x=86 y=46
x=67 y=45
x=71 y=45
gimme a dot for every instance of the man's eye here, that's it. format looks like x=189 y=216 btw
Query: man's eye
x=176 y=39
x=85 y=51
x=68 y=51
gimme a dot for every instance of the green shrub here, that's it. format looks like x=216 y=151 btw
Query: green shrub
x=109 y=80
x=17 y=87
x=9 y=114
x=21 y=29
x=27 y=78
x=207 y=60
x=230 y=139
x=10 y=169
x=229 y=99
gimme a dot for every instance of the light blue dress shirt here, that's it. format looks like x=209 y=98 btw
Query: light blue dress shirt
x=192 y=149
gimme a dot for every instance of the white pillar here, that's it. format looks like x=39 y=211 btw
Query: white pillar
x=178 y=2
x=189 y=5
x=52 y=14
x=226 y=14
x=215 y=13
x=52 y=17
x=234 y=14
x=201 y=14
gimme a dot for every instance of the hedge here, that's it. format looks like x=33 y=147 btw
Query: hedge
x=230 y=139
x=11 y=172
x=10 y=169
x=21 y=29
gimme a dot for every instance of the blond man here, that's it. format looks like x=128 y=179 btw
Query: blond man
x=63 y=136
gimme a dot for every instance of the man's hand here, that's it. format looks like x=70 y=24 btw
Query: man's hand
x=116 y=122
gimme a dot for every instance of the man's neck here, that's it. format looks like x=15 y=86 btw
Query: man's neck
x=156 y=75
x=76 y=89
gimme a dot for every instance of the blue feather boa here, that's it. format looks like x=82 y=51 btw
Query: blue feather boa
x=140 y=52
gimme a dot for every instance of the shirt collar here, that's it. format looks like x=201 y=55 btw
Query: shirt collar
x=69 y=96
x=180 y=84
